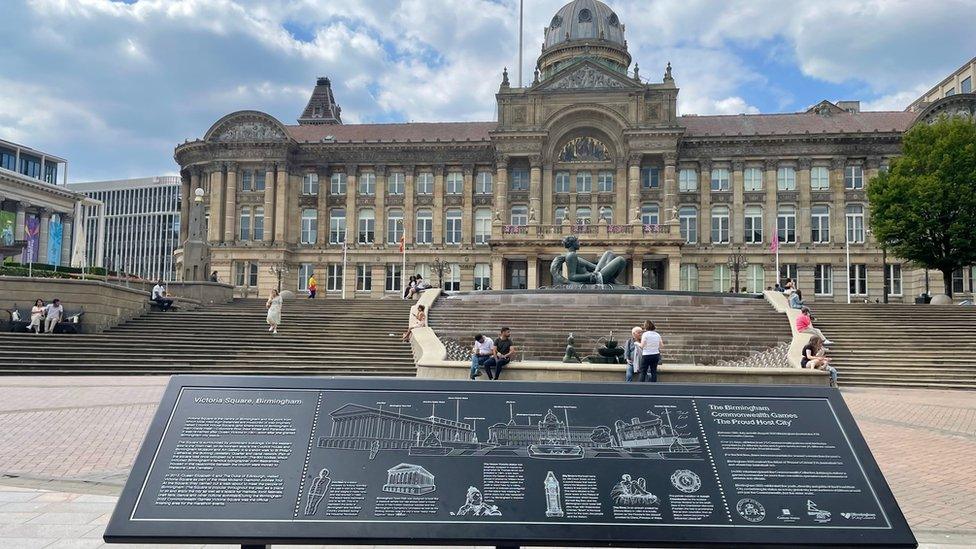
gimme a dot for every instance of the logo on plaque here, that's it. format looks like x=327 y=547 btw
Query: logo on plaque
x=751 y=510
x=686 y=481
x=819 y=515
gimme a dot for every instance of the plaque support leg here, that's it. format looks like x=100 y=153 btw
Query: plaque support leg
x=254 y=547
x=507 y=547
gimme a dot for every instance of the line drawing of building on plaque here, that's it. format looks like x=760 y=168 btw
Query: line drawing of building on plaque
x=407 y=478
x=551 y=438
x=553 y=507
x=316 y=492
x=658 y=433
x=357 y=427
x=474 y=505
x=632 y=492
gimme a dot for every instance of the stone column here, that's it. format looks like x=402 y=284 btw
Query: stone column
x=497 y=272
x=322 y=208
x=269 y=203
x=409 y=212
x=352 y=220
x=621 y=216
x=637 y=269
x=803 y=204
x=230 y=204
x=535 y=185
x=738 y=203
x=187 y=185
x=532 y=272
x=674 y=272
x=379 y=207
x=547 y=196
x=67 y=235
x=633 y=187
x=838 y=217
x=43 y=234
x=705 y=192
x=438 y=232
x=467 y=277
x=467 y=212
x=215 y=232
x=281 y=203
x=501 y=189
x=769 y=206
x=670 y=186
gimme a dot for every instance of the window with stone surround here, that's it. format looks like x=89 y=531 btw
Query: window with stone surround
x=484 y=182
x=395 y=183
x=305 y=270
x=753 y=224
x=247 y=180
x=394 y=226
x=424 y=183
x=337 y=226
x=561 y=182
x=857 y=278
x=367 y=184
x=394 y=277
x=584 y=182
x=755 y=278
x=786 y=224
x=720 y=225
x=310 y=184
x=482 y=226
x=688 y=277
x=720 y=180
x=752 y=179
x=721 y=278
x=333 y=279
x=819 y=178
x=425 y=226
x=309 y=226
x=367 y=226
x=337 y=183
x=788 y=271
x=258 y=232
x=452 y=226
x=364 y=277
x=518 y=179
x=454 y=184
x=893 y=279
x=966 y=86
x=854 y=214
x=520 y=214
x=604 y=181
x=584 y=215
x=650 y=214
x=687 y=180
x=786 y=178
x=823 y=279
x=482 y=276
x=246 y=273
x=245 y=223
x=853 y=177
x=452 y=277
x=559 y=214
x=688 y=223
x=650 y=177
x=820 y=224
x=259 y=180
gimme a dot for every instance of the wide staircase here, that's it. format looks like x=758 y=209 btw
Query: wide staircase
x=332 y=337
x=692 y=333
x=899 y=345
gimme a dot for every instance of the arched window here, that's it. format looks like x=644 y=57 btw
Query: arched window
x=753 y=224
x=688 y=275
x=583 y=215
x=559 y=215
x=520 y=214
x=425 y=226
x=367 y=226
x=606 y=213
x=394 y=226
x=650 y=214
x=820 y=224
x=720 y=225
x=452 y=226
x=245 y=223
x=309 y=226
x=688 y=223
x=337 y=226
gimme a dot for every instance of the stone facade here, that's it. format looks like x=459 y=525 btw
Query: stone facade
x=587 y=148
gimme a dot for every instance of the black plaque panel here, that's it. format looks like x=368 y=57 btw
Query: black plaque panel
x=354 y=460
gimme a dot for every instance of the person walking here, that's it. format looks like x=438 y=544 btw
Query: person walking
x=312 y=287
x=417 y=320
x=37 y=317
x=274 y=311
x=52 y=315
x=633 y=351
x=650 y=346
x=815 y=356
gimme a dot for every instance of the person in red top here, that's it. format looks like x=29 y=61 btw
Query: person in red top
x=804 y=325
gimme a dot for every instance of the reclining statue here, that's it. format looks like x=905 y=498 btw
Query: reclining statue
x=582 y=271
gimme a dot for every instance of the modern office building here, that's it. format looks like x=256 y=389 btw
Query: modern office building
x=959 y=82
x=142 y=222
x=39 y=215
x=590 y=147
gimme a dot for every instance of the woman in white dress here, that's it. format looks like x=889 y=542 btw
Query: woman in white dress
x=37 y=316
x=274 y=311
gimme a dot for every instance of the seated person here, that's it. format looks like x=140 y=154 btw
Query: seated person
x=815 y=356
x=804 y=325
x=37 y=316
x=54 y=314
x=796 y=299
x=417 y=320
x=502 y=353
x=482 y=350
x=158 y=295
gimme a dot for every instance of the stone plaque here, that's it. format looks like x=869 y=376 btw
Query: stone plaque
x=263 y=460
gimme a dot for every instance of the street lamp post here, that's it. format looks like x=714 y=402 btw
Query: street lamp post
x=277 y=270
x=736 y=261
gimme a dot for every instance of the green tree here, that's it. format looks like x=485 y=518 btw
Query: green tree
x=924 y=207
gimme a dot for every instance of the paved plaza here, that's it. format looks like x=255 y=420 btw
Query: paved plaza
x=66 y=445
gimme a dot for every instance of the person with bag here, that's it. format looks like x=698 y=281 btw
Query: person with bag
x=650 y=346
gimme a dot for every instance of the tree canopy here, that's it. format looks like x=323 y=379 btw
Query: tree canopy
x=923 y=208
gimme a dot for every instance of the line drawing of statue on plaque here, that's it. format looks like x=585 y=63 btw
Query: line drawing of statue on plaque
x=410 y=479
x=475 y=506
x=632 y=492
x=316 y=492
x=553 y=507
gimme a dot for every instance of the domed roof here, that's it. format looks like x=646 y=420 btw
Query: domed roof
x=584 y=20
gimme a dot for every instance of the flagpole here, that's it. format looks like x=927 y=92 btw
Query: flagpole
x=520 y=44
x=403 y=266
x=345 y=248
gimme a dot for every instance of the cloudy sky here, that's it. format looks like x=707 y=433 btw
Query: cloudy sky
x=114 y=86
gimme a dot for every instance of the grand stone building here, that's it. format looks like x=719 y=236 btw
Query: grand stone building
x=590 y=148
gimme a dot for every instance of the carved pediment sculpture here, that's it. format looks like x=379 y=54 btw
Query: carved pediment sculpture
x=584 y=149
x=250 y=131
x=585 y=77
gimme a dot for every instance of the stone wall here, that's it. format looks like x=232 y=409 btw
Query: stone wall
x=105 y=305
x=205 y=293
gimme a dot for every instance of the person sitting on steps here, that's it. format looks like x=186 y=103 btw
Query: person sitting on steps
x=417 y=320
x=481 y=351
x=502 y=353
x=158 y=295
x=53 y=315
x=804 y=325
x=37 y=317
x=814 y=356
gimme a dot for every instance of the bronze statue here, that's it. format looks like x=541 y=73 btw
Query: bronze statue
x=581 y=271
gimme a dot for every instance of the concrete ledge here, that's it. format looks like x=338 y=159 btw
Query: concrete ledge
x=202 y=292
x=558 y=371
x=105 y=305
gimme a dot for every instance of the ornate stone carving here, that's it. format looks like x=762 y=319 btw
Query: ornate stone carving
x=838 y=163
x=561 y=198
x=821 y=197
x=518 y=114
x=250 y=131
x=652 y=112
x=453 y=200
x=336 y=200
x=858 y=194
x=770 y=164
x=737 y=165
x=482 y=200
x=803 y=163
x=635 y=158
x=723 y=197
x=605 y=198
x=586 y=77
x=518 y=196
x=584 y=149
x=754 y=197
x=787 y=196
x=394 y=200
x=424 y=200
x=365 y=200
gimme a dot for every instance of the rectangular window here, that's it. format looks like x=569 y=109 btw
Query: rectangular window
x=786 y=225
x=482 y=226
x=788 y=271
x=650 y=214
x=720 y=225
x=688 y=278
x=752 y=179
x=958 y=281
x=820 y=224
x=240 y=268
x=823 y=280
x=721 y=278
x=819 y=178
x=604 y=181
x=753 y=225
x=853 y=177
x=333 y=281
x=367 y=226
x=519 y=179
x=455 y=183
x=310 y=184
x=259 y=223
x=245 y=223
x=650 y=178
x=364 y=278
x=394 y=277
x=688 y=224
x=687 y=181
x=425 y=227
x=395 y=183
x=259 y=180
x=452 y=277
x=394 y=226
x=858 y=280
x=337 y=183
x=304 y=272
x=247 y=180
x=520 y=215
x=483 y=183
x=950 y=91
x=720 y=180
x=310 y=226
x=966 y=86
x=482 y=276
x=246 y=273
x=424 y=183
x=855 y=224
x=8 y=160
x=337 y=226
x=584 y=182
x=452 y=227
x=367 y=184
x=893 y=279
x=562 y=182
x=786 y=179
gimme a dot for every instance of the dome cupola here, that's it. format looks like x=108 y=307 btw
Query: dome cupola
x=584 y=29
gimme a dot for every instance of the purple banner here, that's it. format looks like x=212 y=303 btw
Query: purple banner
x=32 y=224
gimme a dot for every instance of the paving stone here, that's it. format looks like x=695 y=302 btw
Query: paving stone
x=64 y=518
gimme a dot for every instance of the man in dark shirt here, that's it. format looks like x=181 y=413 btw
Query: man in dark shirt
x=502 y=354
